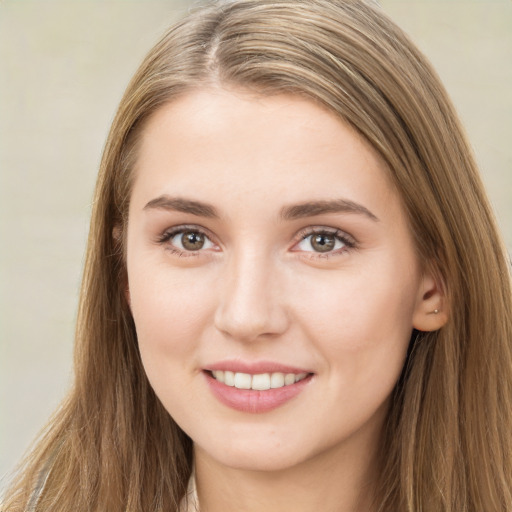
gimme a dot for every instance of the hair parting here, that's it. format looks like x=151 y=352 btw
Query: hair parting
x=447 y=445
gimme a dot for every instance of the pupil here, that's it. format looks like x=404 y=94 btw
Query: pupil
x=192 y=241
x=323 y=243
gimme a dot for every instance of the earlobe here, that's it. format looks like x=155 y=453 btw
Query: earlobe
x=431 y=311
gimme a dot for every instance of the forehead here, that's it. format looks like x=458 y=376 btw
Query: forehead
x=241 y=145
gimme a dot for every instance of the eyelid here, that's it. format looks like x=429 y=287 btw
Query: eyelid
x=170 y=233
x=349 y=241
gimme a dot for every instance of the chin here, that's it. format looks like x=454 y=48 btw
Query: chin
x=257 y=460
x=261 y=452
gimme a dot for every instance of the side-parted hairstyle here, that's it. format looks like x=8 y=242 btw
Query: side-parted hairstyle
x=447 y=446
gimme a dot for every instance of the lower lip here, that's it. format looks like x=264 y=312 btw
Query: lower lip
x=253 y=401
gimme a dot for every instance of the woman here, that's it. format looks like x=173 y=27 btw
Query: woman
x=294 y=294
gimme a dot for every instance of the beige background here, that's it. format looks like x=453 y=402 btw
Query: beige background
x=63 y=68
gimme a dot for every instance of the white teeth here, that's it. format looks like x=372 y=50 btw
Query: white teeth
x=277 y=380
x=260 y=382
x=229 y=378
x=243 y=381
x=219 y=375
x=289 y=378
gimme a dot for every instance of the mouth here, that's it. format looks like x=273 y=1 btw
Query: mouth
x=257 y=382
x=250 y=389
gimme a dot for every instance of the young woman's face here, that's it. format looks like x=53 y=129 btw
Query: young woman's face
x=267 y=248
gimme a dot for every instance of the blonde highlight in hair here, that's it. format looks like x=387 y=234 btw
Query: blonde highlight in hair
x=447 y=445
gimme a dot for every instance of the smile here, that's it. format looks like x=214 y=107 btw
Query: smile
x=256 y=390
x=259 y=382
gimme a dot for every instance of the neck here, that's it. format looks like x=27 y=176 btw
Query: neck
x=341 y=480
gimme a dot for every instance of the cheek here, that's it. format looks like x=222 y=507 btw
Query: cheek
x=169 y=311
x=360 y=319
x=170 y=317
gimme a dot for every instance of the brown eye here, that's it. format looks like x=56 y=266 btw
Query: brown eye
x=187 y=241
x=323 y=242
x=192 y=240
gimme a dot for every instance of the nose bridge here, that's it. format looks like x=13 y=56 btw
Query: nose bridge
x=249 y=303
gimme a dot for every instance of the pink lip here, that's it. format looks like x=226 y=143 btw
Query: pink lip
x=250 y=400
x=254 y=368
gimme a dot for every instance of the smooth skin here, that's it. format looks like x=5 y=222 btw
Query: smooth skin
x=223 y=264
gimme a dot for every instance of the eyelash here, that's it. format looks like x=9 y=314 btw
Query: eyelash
x=348 y=241
x=171 y=233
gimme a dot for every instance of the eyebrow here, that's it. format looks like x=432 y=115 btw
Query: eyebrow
x=313 y=208
x=183 y=205
x=293 y=212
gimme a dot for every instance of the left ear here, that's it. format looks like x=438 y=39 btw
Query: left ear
x=431 y=311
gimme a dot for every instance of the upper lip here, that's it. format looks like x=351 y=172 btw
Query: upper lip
x=254 y=368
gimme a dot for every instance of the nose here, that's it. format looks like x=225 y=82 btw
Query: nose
x=250 y=300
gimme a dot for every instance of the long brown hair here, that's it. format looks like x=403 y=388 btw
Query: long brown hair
x=447 y=445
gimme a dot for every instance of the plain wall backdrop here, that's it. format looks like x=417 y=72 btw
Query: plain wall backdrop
x=63 y=68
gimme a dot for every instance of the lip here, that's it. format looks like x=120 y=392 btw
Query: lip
x=254 y=368
x=250 y=400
